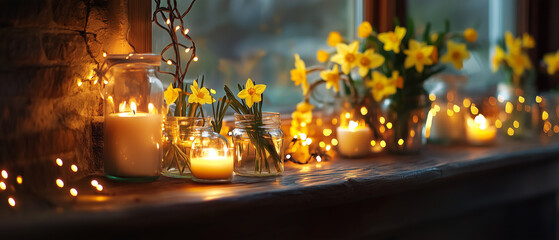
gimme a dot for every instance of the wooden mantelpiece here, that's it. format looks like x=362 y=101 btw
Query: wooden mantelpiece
x=344 y=198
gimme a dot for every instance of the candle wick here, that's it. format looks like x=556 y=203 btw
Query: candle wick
x=134 y=111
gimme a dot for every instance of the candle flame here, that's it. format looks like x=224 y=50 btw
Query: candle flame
x=122 y=107
x=133 y=107
x=151 y=108
x=481 y=121
x=211 y=153
x=352 y=125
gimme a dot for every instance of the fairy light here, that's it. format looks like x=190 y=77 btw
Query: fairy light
x=59 y=162
x=556 y=129
x=19 y=180
x=322 y=144
x=373 y=143
x=318 y=159
x=521 y=99
x=186 y=31
x=104 y=54
x=334 y=142
x=437 y=108
x=177 y=28
x=412 y=133
x=492 y=101
x=466 y=102
x=414 y=118
x=381 y=120
x=432 y=97
x=168 y=21
x=474 y=110
x=389 y=125
x=545 y=115
x=3 y=186
x=195 y=59
x=382 y=129
x=187 y=50
x=74 y=168
x=510 y=131
x=456 y=108
x=500 y=98
x=364 y=111
x=400 y=142
x=328 y=147
x=5 y=174
x=449 y=112
x=169 y=62
x=382 y=144
x=99 y=188
x=538 y=99
x=516 y=124
x=12 y=201
x=327 y=132
x=73 y=192
x=498 y=123
x=508 y=107
x=308 y=141
x=80 y=83
x=59 y=183
x=288 y=156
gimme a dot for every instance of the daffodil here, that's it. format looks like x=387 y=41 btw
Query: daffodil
x=334 y=38
x=346 y=56
x=364 y=30
x=456 y=53
x=518 y=62
x=303 y=112
x=299 y=74
x=200 y=95
x=552 y=62
x=332 y=78
x=322 y=56
x=528 y=41
x=418 y=55
x=252 y=93
x=470 y=34
x=497 y=58
x=514 y=45
x=392 y=39
x=381 y=86
x=369 y=60
x=397 y=79
x=171 y=94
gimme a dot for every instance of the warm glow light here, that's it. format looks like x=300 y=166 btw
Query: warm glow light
x=412 y=133
x=481 y=121
x=73 y=192
x=59 y=162
x=538 y=99
x=492 y=101
x=328 y=147
x=449 y=112
x=432 y=97
x=177 y=28
x=3 y=186
x=59 y=183
x=415 y=119
x=303 y=136
x=322 y=144
x=318 y=158
x=79 y=83
x=99 y=188
x=168 y=21
x=151 y=108
x=456 y=108
x=508 y=107
x=169 y=62
x=389 y=125
x=364 y=111
x=500 y=98
x=383 y=143
x=195 y=59
x=474 y=110
x=353 y=125
x=373 y=143
x=104 y=54
x=521 y=99
x=5 y=174
x=19 y=180
x=498 y=123
x=466 y=102
x=187 y=50
x=186 y=31
x=94 y=183
x=347 y=115
x=400 y=142
x=556 y=129
x=381 y=120
x=334 y=142
x=327 y=132
x=133 y=107
x=288 y=156
x=12 y=202
x=308 y=142
x=74 y=168
x=510 y=131
x=516 y=124
x=545 y=115
x=382 y=129
x=437 y=108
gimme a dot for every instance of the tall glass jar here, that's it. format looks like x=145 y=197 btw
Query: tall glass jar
x=176 y=161
x=258 y=143
x=134 y=107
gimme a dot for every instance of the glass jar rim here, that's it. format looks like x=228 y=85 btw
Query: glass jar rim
x=150 y=59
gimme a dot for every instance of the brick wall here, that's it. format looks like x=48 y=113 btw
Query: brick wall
x=45 y=47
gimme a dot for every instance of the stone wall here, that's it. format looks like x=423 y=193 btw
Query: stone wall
x=46 y=48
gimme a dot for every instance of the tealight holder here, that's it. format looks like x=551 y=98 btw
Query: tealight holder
x=354 y=136
x=211 y=160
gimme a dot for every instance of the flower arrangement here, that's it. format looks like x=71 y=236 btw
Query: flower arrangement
x=383 y=66
x=511 y=56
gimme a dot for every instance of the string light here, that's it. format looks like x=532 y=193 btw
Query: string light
x=80 y=83
x=186 y=31
x=195 y=59
x=187 y=50
x=3 y=186
x=334 y=142
x=5 y=174
x=400 y=142
x=177 y=28
x=99 y=188
x=169 y=62
x=389 y=125
x=73 y=192
x=466 y=102
x=432 y=97
x=382 y=144
x=168 y=21
x=74 y=168
x=521 y=99
x=538 y=99
x=12 y=201
x=19 y=180
x=104 y=54
x=94 y=183
x=59 y=162
x=364 y=111
x=59 y=183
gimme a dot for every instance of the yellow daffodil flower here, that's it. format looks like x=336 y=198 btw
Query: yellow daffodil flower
x=346 y=56
x=497 y=58
x=200 y=95
x=392 y=40
x=334 y=38
x=303 y=112
x=456 y=54
x=171 y=94
x=252 y=93
x=369 y=60
x=299 y=74
x=514 y=45
x=364 y=30
x=397 y=79
x=552 y=62
x=381 y=86
x=322 y=56
x=528 y=41
x=435 y=55
x=418 y=55
x=470 y=35
x=434 y=37
x=332 y=78
x=518 y=62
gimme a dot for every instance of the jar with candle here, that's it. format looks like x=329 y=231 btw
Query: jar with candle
x=134 y=109
x=258 y=143
x=211 y=160
x=176 y=163
x=354 y=136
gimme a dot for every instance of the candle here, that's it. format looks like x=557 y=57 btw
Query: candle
x=354 y=139
x=133 y=145
x=447 y=125
x=478 y=132
x=212 y=164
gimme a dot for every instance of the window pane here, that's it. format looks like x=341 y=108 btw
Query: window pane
x=256 y=39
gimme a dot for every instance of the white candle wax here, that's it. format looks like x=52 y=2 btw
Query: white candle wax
x=354 y=140
x=133 y=144
x=478 y=132
x=211 y=166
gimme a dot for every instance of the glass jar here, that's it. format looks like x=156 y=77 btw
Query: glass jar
x=134 y=107
x=516 y=96
x=210 y=158
x=258 y=143
x=176 y=163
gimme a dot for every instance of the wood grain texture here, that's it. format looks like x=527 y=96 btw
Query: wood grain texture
x=344 y=198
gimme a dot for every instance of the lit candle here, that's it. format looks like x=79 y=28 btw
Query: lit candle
x=479 y=132
x=133 y=144
x=212 y=165
x=354 y=139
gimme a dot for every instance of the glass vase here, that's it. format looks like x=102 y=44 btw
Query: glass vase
x=211 y=160
x=176 y=163
x=515 y=105
x=258 y=143
x=134 y=106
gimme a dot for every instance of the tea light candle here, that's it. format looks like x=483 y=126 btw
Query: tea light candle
x=478 y=132
x=354 y=140
x=133 y=145
x=212 y=166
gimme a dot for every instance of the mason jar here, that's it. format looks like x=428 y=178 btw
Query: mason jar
x=258 y=143
x=134 y=109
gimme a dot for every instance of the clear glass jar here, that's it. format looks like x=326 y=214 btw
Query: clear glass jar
x=515 y=103
x=178 y=164
x=210 y=158
x=258 y=145
x=134 y=108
